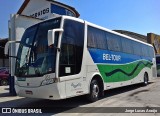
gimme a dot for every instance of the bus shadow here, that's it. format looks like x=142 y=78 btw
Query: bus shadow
x=59 y=106
x=51 y=106
x=116 y=91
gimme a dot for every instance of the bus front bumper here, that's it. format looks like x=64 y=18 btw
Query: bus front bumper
x=50 y=91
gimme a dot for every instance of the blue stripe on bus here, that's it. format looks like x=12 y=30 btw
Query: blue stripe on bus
x=111 y=57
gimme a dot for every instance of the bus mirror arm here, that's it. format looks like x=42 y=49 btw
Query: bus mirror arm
x=59 y=49
x=51 y=35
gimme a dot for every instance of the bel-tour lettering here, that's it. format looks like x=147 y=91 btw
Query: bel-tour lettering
x=111 y=57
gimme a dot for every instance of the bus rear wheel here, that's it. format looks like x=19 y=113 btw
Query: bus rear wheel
x=145 y=79
x=94 y=91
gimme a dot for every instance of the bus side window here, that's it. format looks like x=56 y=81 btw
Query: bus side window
x=145 y=51
x=151 y=52
x=114 y=42
x=96 y=38
x=127 y=46
x=137 y=48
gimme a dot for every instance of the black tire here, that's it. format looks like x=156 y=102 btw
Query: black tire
x=94 y=91
x=145 y=79
x=4 y=82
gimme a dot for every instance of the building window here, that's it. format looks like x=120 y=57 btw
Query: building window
x=61 y=11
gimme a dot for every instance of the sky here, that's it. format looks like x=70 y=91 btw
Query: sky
x=139 y=16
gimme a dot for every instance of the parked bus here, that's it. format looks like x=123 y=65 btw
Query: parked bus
x=158 y=64
x=65 y=57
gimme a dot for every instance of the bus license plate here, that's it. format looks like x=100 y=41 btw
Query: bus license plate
x=21 y=79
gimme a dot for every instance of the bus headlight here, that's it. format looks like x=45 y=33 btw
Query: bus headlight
x=48 y=81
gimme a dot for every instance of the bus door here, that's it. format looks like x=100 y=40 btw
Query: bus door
x=71 y=54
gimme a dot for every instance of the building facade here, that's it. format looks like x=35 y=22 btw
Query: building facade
x=154 y=39
x=45 y=9
x=133 y=35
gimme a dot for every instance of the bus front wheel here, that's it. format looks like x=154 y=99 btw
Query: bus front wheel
x=94 y=91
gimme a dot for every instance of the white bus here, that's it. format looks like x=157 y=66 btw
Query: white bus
x=65 y=57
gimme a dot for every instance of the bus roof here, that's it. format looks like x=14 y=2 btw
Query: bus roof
x=105 y=29
x=100 y=27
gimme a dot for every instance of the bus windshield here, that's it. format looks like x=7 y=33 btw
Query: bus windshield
x=35 y=57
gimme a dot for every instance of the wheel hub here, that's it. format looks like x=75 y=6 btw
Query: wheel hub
x=95 y=91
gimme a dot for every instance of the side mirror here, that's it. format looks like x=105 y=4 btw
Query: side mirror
x=51 y=35
x=7 y=46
